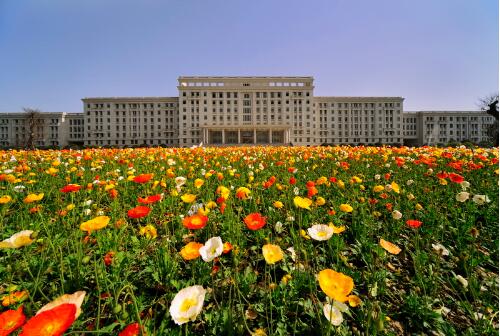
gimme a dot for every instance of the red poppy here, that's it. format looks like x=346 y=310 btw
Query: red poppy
x=332 y=179
x=195 y=222
x=388 y=206
x=130 y=330
x=53 y=322
x=442 y=175
x=310 y=184
x=139 y=211
x=222 y=208
x=456 y=178
x=143 y=178
x=311 y=191
x=70 y=188
x=108 y=258
x=227 y=247
x=413 y=223
x=292 y=180
x=255 y=221
x=10 y=320
x=150 y=199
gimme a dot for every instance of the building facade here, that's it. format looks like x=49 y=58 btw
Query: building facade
x=219 y=111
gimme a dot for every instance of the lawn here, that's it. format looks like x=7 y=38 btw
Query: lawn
x=249 y=241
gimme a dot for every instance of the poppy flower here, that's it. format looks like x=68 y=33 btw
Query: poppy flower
x=75 y=299
x=345 y=208
x=108 y=258
x=413 y=223
x=456 y=178
x=70 y=188
x=227 y=247
x=255 y=221
x=212 y=249
x=130 y=330
x=150 y=199
x=53 y=322
x=195 y=222
x=188 y=198
x=143 y=178
x=242 y=193
x=10 y=320
x=139 y=211
x=272 y=253
x=95 y=224
x=198 y=183
x=33 y=198
x=187 y=304
x=302 y=202
x=335 y=284
x=191 y=251
x=5 y=199
x=320 y=232
x=149 y=231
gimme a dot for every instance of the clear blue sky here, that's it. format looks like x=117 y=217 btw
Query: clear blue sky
x=437 y=54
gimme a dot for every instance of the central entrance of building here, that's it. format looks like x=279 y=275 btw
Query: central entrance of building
x=257 y=136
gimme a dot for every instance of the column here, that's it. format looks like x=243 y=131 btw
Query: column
x=254 y=136
x=223 y=136
x=270 y=136
x=239 y=136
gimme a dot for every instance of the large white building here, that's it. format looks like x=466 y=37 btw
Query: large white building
x=245 y=111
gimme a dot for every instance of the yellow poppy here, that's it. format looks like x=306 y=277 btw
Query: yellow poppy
x=95 y=224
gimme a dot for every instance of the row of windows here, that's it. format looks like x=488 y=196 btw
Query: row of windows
x=131 y=105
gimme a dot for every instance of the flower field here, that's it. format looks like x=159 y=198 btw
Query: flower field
x=249 y=241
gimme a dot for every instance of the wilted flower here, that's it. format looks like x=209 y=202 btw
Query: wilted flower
x=396 y=214
x=149 y=231
x=462 y=280
x=320 y=232
x=14 y=297
x=389 y=247
x=212 y=249
x=272 y=253
x=480 y=199
x=441 y=249
x=462 y=196
x=187 y=304
x=17 y=240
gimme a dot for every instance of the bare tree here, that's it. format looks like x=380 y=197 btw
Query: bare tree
x=489 y=104
x=33 y=128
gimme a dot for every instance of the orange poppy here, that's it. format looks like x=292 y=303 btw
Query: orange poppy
x=139 y=211
x=53 y=322
x=389 y=247
x=255 y=221
x=143 y=178
x=130 y=330
x=150 y=199
x=14 y=297
x=10 y=320
x=70 y=188
x=195 y=222
x=191 y=251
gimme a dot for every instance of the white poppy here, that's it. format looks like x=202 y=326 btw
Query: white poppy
x=441 y=249
x=320 y=232
x=212 y=249
x=465 y=185
x=187 y=304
